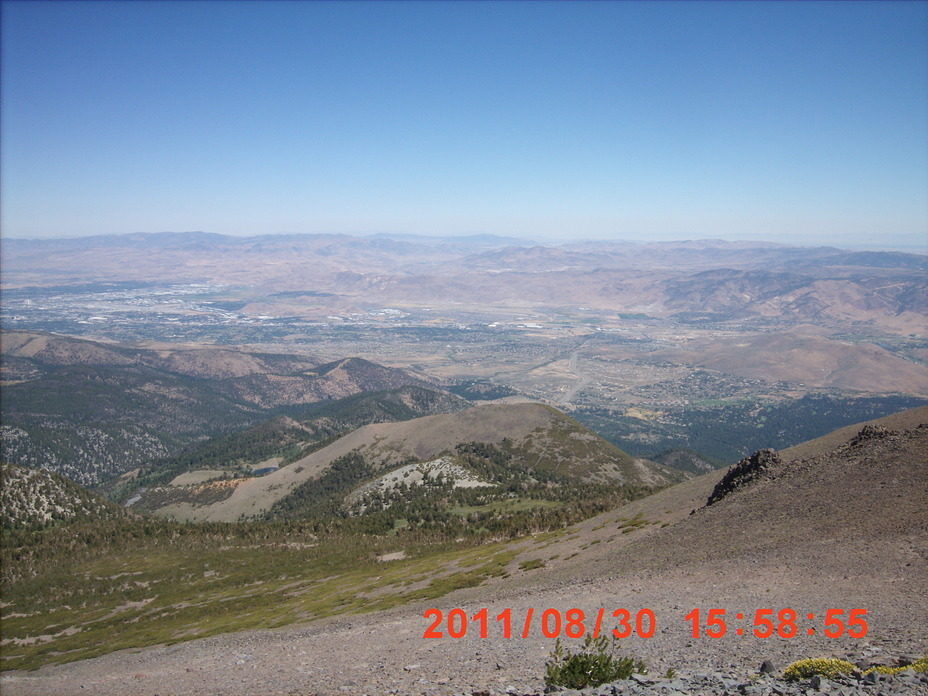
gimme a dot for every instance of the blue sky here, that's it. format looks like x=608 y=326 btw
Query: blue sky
x=792 y=122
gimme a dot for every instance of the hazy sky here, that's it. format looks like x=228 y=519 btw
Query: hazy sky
x=794 y=122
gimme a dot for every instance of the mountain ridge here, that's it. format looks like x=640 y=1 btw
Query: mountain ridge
x=129 y=405
x=543 y=433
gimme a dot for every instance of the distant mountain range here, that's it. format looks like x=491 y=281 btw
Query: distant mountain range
x=708 y=279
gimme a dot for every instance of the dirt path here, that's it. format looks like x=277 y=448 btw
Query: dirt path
x=583 y=379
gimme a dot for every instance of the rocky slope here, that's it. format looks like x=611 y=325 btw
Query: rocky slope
x=843 y=529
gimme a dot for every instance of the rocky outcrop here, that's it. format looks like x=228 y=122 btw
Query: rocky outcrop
x=871 y=432
x=746 y=472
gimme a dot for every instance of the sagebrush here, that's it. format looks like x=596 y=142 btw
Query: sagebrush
x=596 y=663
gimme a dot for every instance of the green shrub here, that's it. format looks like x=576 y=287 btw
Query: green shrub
x=532 y=564
x=595 y=664
x=830 y=668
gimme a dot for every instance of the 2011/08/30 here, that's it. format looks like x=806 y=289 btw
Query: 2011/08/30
x=551 y=623
x=572 y=623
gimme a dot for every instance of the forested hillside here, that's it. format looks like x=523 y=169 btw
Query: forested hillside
x=94 y=411
x=32 y=500
x=285 y=438
x=727 y=430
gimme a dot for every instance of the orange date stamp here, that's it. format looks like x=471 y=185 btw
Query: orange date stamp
x=714 y=623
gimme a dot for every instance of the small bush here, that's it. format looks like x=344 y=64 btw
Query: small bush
x=881 y=669
x=832 y=668
x=920 y=665
x=804 y=669
x=595 y=664
x=532 y=564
